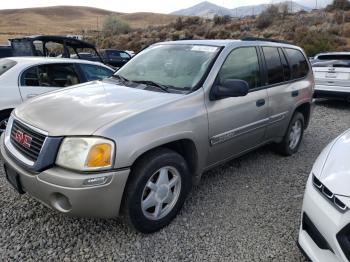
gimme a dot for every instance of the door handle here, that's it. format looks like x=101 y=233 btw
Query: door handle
x=295 y=93
x=31 y=96
x=260 y=102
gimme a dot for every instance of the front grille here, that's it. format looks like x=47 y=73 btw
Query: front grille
x=31 y=149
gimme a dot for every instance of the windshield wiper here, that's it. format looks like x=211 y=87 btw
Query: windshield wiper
x=121 y=78
x=151 y=83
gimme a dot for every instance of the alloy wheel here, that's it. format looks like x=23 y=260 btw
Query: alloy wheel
x=295 y=134
x=161 y=193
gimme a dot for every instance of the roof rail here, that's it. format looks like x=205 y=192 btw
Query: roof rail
x=266 y=40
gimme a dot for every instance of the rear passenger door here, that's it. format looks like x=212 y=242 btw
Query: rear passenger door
x=285 y=70
x=41 y=79
x=238 y=124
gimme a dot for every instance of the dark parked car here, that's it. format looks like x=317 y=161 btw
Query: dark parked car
x=115 y=58
x=5 y=51
x=86 y=56
x=54 y=46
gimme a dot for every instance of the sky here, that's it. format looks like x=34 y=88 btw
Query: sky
x=130 y=6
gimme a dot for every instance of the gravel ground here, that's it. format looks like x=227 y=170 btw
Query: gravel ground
x=246 y=210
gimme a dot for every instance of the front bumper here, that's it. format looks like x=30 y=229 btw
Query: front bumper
x=328 y=221
x=66 y=191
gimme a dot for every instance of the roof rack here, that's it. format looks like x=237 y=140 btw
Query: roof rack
x=266 y=40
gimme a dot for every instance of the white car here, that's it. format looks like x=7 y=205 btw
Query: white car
x=325 y=228
x=332 y=75
x=22 y=78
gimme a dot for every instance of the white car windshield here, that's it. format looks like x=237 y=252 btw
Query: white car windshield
x=173 y=65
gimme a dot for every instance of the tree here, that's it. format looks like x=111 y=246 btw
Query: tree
x=115 y=26
x=266 y=18
x=339 y=5
x=284 y=10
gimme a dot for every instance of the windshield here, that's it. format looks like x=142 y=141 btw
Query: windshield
x=5 y=65
x=177 y=66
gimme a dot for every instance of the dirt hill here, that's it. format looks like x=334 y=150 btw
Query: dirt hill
x=315 y=31
x=68 y=20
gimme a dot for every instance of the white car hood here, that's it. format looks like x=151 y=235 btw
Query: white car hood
x=335 y=174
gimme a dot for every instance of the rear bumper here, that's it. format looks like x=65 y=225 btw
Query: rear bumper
x=322 y=91
x=328 y=221
x=66 y=191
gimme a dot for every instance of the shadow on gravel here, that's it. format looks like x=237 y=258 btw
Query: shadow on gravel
x=334 y=104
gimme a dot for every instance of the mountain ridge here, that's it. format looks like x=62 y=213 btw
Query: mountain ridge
x=209 y=10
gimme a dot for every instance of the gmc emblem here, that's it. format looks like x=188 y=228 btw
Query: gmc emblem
x=23 y=139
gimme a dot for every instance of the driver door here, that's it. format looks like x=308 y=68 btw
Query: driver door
x=238 y=124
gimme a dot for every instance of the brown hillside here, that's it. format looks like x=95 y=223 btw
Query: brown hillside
x=316 y=32
x=68 y=20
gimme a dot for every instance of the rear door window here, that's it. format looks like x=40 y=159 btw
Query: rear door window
x=299 y=65
x=30 y=77
x=5 y=65
x=286 y=69
x=275 y=72
x=51 y=75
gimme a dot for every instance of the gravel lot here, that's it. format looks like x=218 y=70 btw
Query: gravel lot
x=246 y=210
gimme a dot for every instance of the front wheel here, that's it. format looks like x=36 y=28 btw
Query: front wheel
x=157 y=189
x=292 y=139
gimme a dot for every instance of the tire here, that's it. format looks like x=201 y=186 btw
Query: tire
x=286 y=147
x=4 y=116
x=149 y=204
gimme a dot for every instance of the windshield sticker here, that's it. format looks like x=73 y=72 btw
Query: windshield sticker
x=201 y=48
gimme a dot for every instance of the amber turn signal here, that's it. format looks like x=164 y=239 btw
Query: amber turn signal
x=100 y=155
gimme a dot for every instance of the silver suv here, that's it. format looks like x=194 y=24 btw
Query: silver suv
x=134 y=144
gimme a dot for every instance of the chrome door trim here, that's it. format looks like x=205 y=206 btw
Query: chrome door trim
x=221 y=138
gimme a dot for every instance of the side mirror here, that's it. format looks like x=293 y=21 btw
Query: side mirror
x=229 y=88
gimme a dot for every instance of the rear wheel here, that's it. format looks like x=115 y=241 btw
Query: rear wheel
x=157 y=189
x=292 y=139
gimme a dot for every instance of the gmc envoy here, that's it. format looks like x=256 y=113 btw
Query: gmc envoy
x=133 y=144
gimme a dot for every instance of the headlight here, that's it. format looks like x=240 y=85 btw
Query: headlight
x=86 y=153
x=335 y=201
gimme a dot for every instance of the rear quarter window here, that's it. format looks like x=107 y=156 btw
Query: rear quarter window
x=298 y=63
x=5 y=65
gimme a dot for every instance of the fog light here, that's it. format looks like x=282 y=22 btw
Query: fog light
x=95 y=181
x=60 y=202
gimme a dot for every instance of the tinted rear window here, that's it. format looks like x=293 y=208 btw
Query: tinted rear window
x=332 y=63
x=299 y=65
x=5 y=65
x=274 y=66
x=334 y=57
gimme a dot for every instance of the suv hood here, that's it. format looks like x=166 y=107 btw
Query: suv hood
x=83 y=109
x=335 y=174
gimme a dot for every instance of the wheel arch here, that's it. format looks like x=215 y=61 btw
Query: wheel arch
x=305 y=110
x=185 y=147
